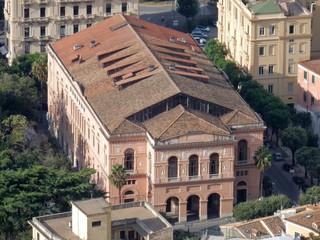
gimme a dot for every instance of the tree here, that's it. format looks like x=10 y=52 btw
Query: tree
x=314 y=167
x=260 y=208
x=188 y=8
x=312 y=139
x=293 y=138
x=263 y=161
x=40 y=71
x=118 y=177
x=302 y=119
x=312 y=195
x=304 y=157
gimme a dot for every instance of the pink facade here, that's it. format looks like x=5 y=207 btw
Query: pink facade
x=185 y=138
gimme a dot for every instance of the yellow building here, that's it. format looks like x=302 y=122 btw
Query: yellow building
x=268 y=39
x=31 y=24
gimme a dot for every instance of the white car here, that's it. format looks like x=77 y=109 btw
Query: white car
x=199 y=34
x=200 y=40
x=202 y=28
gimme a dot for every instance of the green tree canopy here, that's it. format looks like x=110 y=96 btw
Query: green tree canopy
x=188 y=8
x=293 y=138
x=312 y=195
x=302 y=119
x=118 y=177
x=305 y=157
x=260 y=208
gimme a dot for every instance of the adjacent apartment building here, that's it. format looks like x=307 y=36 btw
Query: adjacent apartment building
x=131 y=92
x=267 y=38
x=31 y=24
x=95 y=219
x=309 y=91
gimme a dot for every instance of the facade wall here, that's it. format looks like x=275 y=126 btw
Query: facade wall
x=292 y=229
x=308 y=99
x=245 y=33
x=24 y=16
x=89 y=144
x=80 y=223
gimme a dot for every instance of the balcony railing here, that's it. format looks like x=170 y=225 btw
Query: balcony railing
x=193 y=178
x=243 y=162
x=173 y=179
x=215 y=176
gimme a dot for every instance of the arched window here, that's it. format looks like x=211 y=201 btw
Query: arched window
x=193 y=165
x=241 y=183
x=172 y=167
x=129 y=192
x=129 y=159
x=214 y=164
x=242 y=150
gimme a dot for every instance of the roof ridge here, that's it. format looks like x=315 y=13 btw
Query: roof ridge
x=266 y=227
x=206 y=120
x=151 y=53
x=173 y=120
x=126 y=120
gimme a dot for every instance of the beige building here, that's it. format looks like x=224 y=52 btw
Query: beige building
x=95 y=219
x=131 y=92
x=267 y=38
x=31 y=24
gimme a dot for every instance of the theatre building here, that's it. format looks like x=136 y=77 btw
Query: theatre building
x=130 y=92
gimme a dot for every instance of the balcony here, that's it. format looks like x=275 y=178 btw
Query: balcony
x=215 y=176
x=44 y=38
x=243 y=162
x=194 y=178
x=26 y=2
x=173 y=179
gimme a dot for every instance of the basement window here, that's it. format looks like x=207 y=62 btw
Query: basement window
x=96 y=224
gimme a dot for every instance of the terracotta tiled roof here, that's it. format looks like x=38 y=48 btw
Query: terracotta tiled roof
x=180 y=121
x=127 y=71
x=312 y=65
x=306 y=218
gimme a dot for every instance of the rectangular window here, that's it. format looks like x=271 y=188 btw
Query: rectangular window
x=271 y=69
x=75 y=10
x=291 y=29
x=261 y=31
x=124 y=7
x=89 y=9
x=270 y=88
x=312 y=100
x=272 y=50
x=96 y=224
x=291 y=49
x=75 y=28
x=261 y=51
x=108 y=8
x=304 y=96
x=312 y=79
x=62 y=11
x=27 y=48
x=27 y=31
x=302 y=48
x=305 y=75
x=42 y=31
x=42 y=12
x=261 y=70
x=43 y=48
x=291 y=68
x=26 y=13
x=62 y=30
x=272 y=30
x=290 y=87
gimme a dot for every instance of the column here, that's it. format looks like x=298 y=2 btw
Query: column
x=203 y=210
x=182 y=211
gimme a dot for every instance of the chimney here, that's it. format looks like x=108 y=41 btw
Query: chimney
x=92 y=43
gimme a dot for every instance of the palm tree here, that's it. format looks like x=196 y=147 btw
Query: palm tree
x=40 y=71
x=118 y=177
x=263 y=162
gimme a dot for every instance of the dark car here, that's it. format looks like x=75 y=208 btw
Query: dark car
x=277 y=156
x=287 y=167
x=298 y=180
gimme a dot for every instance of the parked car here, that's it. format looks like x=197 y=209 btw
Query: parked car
x=202 y=28
x=199 y=33
x=277 y=156
x=287 y=167
x=200 y=40
x=298 y=180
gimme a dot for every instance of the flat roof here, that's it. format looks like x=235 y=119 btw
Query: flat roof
x=92 y=206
